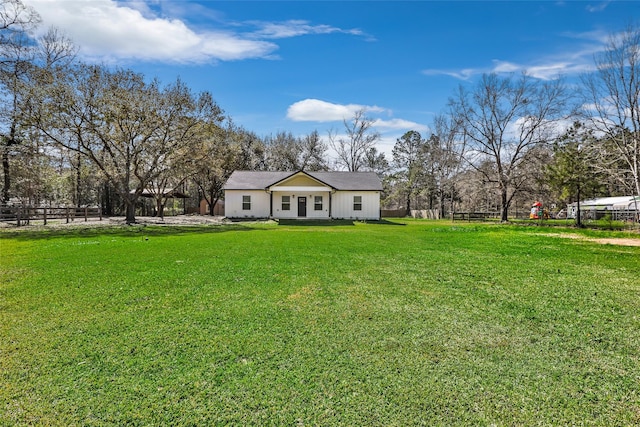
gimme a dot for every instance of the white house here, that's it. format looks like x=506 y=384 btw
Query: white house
x=301 y=195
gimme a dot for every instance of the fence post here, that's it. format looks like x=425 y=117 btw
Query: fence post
x=85 y=214
x=44 y=214
x=67 y=215
x=18 y=216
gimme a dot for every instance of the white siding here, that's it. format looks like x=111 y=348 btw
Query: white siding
x=342 y=205
x=293 y=212
x=259 y=204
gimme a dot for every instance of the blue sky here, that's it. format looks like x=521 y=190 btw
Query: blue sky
x=301 y=66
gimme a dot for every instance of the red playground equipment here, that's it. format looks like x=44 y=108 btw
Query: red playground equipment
x=536 y=211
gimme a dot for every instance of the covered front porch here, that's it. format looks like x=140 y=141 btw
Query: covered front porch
x=299 y=197
x=301 y=204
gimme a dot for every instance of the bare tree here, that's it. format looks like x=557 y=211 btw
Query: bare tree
x=313 y=153
x=612 y=102
x=218 y=156
x=252 y=154
x=286 y=152
x=15 y=16
x=16 y=56
x=444 y=150
x=283 y=152
x=352 y=148
x=24 y=60
x=376 y=161
x=55 y=48
x=131 y=130
x=503 y=120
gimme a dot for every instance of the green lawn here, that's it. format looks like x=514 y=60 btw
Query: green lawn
x=394 y=323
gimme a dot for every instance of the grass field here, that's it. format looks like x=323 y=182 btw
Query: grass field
x=394 y=323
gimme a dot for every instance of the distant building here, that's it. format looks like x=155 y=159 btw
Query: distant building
x=603 y=204
x=218 y=208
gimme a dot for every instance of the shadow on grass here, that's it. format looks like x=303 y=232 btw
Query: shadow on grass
x=121 y=231
x=315 y=222
x=387 y=222
x=331 y=222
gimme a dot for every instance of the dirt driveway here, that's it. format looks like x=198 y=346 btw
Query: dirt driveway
x=619 y=241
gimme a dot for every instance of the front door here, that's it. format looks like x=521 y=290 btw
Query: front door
x=302 y=206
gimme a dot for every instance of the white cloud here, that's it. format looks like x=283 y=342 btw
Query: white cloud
x=598 y=7
x=315 y=110
x=577 y=60
x=141 y=30
x=106 y=29
x=544 y=71
x=598 y=36
x=464 y=74
x=399 y=124
x=505 y=67
x=386 y=143
x=295 y=28
x=390 y=130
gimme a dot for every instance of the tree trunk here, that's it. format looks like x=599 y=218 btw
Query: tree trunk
x=130 y=206
x=160 y=208
x=212 y=203
x=578 y=214
x=215 y=202
x=78 y=180
x=7 y=177
x=451 y=209
x=504 y=217
x=107 y=207
x=8 y=142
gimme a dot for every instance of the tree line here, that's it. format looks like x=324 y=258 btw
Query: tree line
x=80 y=134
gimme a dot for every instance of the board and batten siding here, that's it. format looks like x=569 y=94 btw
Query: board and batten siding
x=342 y=205
x=260 y=204
x=293 y=212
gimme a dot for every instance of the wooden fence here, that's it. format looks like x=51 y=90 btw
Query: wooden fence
x=23 y=215
x=474 y=216
x=413 y=213
x=586 y=216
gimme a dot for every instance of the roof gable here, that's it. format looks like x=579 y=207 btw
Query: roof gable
x=300 y=179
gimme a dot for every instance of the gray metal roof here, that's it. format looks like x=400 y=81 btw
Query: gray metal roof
x=350 y=181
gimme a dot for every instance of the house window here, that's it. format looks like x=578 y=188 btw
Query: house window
x=246 y=203
x=317 y=203
x=357 y=203
x=286 y=203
